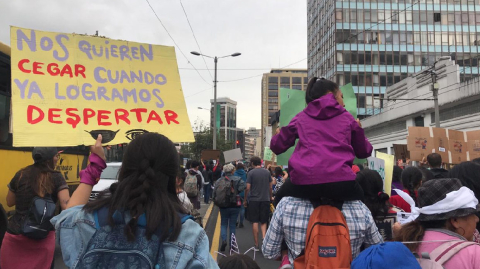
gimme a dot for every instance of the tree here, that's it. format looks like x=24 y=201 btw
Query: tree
x=204 y=140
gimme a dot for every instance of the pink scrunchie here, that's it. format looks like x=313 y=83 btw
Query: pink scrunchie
x=93 y=171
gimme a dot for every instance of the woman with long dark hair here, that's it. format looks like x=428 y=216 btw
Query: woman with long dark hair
x=37 y=180
x=384 y=213
x=139 y=220
x=411 y=181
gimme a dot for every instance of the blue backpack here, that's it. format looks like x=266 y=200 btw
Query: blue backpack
x=109 y=247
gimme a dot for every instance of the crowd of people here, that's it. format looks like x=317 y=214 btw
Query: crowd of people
x=323 y=212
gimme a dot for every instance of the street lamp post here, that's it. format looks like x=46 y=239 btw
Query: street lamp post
x=215 y=60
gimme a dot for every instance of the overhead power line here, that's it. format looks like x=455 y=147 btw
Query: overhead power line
x=227 y=69
x=174 y=42
x=198 y=92
x=262 y=73
x=196 y=41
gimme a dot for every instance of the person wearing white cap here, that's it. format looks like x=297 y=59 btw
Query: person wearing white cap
x=443 y=224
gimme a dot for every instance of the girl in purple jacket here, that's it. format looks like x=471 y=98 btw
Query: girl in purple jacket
x=329 y=138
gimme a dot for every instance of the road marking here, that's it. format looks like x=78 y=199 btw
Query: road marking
x=207 y=216
x=216 y=238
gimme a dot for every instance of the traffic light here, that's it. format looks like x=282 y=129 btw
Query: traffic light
x=238 y=142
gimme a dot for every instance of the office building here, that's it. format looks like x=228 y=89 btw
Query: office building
x=458 y=102
x=251 y=140
x=240 y=141
x=228 y=117
x=271 y=84
x=375 y=44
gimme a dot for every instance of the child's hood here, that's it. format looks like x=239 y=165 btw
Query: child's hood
x=240 y=172
x=323 y=108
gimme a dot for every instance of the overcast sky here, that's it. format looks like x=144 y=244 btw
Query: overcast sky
x=268 y=33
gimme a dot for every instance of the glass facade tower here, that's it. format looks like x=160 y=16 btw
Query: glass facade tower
x=375 y=44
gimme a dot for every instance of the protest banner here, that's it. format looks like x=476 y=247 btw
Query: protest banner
x=457 y=146
x=440 y=142
x=389 y=162
x=350 y=101
x=232 y=155
x=401 y=152
x=378 y=165
x=473 y=143
x=419 y=143
x=292 y=102
x=210 y=154
x=68 y=88
x=267 y=154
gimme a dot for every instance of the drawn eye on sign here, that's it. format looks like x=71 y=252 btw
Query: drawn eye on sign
x=132 y=134
x=107 y=135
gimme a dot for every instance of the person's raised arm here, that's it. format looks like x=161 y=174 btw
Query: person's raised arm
x=362 y=147
x=285 y=138
x=89 y=176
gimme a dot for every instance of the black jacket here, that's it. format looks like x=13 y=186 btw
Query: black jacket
x=439 y=173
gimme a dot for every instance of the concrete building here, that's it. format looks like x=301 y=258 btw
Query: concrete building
x=458 y=101
x=228 y=117
x=271 y=84
x=376 y=44
x=251 y=139
x=258 y=147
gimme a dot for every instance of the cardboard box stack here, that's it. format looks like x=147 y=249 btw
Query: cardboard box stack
x=454 y=146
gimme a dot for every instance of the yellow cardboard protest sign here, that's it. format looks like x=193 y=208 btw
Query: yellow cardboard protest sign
x=389 y=162
x=68 y=88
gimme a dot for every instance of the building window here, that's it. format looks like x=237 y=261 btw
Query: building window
x=272 y=93
x=339 y=16
x=339 y=58
x=285 y=80
x=273 y=87
x=419 y=121
x=273 y=80
x=296 y=80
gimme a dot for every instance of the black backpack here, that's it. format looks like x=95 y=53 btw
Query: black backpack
x=37 y=222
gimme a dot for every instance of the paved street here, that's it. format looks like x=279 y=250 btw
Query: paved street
x=245 y=242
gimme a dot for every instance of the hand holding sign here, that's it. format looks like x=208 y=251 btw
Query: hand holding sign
x=98 y=148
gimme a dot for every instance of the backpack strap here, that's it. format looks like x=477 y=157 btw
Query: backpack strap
x=445 y=251
x=101 y=218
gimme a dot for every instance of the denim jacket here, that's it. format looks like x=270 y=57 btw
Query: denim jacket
x=74 y=229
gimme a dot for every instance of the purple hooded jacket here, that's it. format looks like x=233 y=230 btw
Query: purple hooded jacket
x=329 y=139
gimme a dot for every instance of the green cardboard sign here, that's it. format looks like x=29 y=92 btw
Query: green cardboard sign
x=349 y=99
x=267 y=154
x=292 y=102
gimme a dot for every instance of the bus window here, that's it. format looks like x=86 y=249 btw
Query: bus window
x=4 y=118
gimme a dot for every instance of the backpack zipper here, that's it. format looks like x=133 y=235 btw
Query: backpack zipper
x=325 y=224
x=121 y=251
x=44 y=212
